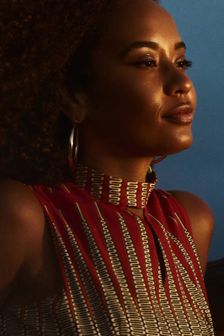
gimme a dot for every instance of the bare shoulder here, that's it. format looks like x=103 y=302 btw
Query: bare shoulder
x=202 y=221
x=21 y=229
x=18 y=198
x=197 y=209
x=19 y=207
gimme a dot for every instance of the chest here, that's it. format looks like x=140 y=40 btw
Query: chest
x=121 y=273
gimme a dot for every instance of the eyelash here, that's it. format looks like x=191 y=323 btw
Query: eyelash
x=184 y=64
x=143 y=63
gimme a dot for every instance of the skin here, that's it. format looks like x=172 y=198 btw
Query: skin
x=110 y=122
x=123 y=129
x=123 y=112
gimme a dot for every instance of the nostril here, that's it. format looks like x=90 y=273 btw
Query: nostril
x=180 y=92
x=177 y=85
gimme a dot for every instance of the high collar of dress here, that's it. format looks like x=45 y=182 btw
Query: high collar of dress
x=115 y=190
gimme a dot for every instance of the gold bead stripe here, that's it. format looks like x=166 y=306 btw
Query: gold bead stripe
x=187 y=257
x=96 y=184
x=116 y=312
x=194 y=316
x=23 y=314
x=192 y=244
x=101 y=320
x=58 y=241
x=81 y=176
x=145 y=193
x=39 y=317
x=191 y=241
x=198 y=295
x=80 y=315
x=145 y=306
x=199 y=302
x=162 y=323
x=162 y=309
x=192 y=288
x=28 y=316
x=32 y=319
x=200 y=307
x=175 y=299
x=132 y=189
x=59 y=310
x=115 y=190
x=194 y=323
x=81 y=322
x=133 y=317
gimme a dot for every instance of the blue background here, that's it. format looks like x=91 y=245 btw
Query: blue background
x=201 y=169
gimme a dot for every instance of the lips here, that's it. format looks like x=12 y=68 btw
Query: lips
x=182 y=114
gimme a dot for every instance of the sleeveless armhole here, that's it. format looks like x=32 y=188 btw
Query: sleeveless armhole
x=45 y=202
x=46 y=197
x=178 y=223
x=178 y=208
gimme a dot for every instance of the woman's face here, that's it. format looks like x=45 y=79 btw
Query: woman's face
x=141 y=101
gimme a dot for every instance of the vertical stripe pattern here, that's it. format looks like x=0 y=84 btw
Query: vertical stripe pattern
x=123 y=274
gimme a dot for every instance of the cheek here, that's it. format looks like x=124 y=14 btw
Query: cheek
x=128 y=99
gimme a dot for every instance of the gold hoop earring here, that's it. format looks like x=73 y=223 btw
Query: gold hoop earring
x=73 y=147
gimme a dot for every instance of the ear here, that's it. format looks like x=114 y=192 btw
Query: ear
x=77 y=107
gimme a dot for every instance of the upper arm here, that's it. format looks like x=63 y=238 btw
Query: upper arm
x=202 y=222
x=21 y=226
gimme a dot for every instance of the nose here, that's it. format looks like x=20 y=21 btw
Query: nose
x=176 y=82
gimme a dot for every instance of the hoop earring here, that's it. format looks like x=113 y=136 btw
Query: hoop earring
x=73 y=147
x=158 y=159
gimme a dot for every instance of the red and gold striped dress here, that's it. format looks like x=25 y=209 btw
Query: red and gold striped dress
x=123 y=274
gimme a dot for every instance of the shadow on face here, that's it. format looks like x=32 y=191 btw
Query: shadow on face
x=141 y=102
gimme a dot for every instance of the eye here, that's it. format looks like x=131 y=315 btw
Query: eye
x=146 y=63
x=183 y=64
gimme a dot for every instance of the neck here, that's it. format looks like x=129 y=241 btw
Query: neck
x=113 y=189
x=131 y=169
x=110 y=159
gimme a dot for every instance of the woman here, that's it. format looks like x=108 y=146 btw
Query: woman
x=95 y=249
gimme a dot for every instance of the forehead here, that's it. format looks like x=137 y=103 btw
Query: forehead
x=130 y=20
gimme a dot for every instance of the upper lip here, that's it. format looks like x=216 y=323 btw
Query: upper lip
x=183 y=107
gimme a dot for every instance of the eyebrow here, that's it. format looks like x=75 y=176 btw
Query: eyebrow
x=150 y=45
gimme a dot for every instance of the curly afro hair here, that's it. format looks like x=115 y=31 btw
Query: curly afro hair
x=38 y=41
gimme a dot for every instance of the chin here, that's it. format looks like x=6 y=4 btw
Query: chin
x=181 y=145
x=175 y=143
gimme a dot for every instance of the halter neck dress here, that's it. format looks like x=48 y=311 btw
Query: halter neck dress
x=122 y=274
